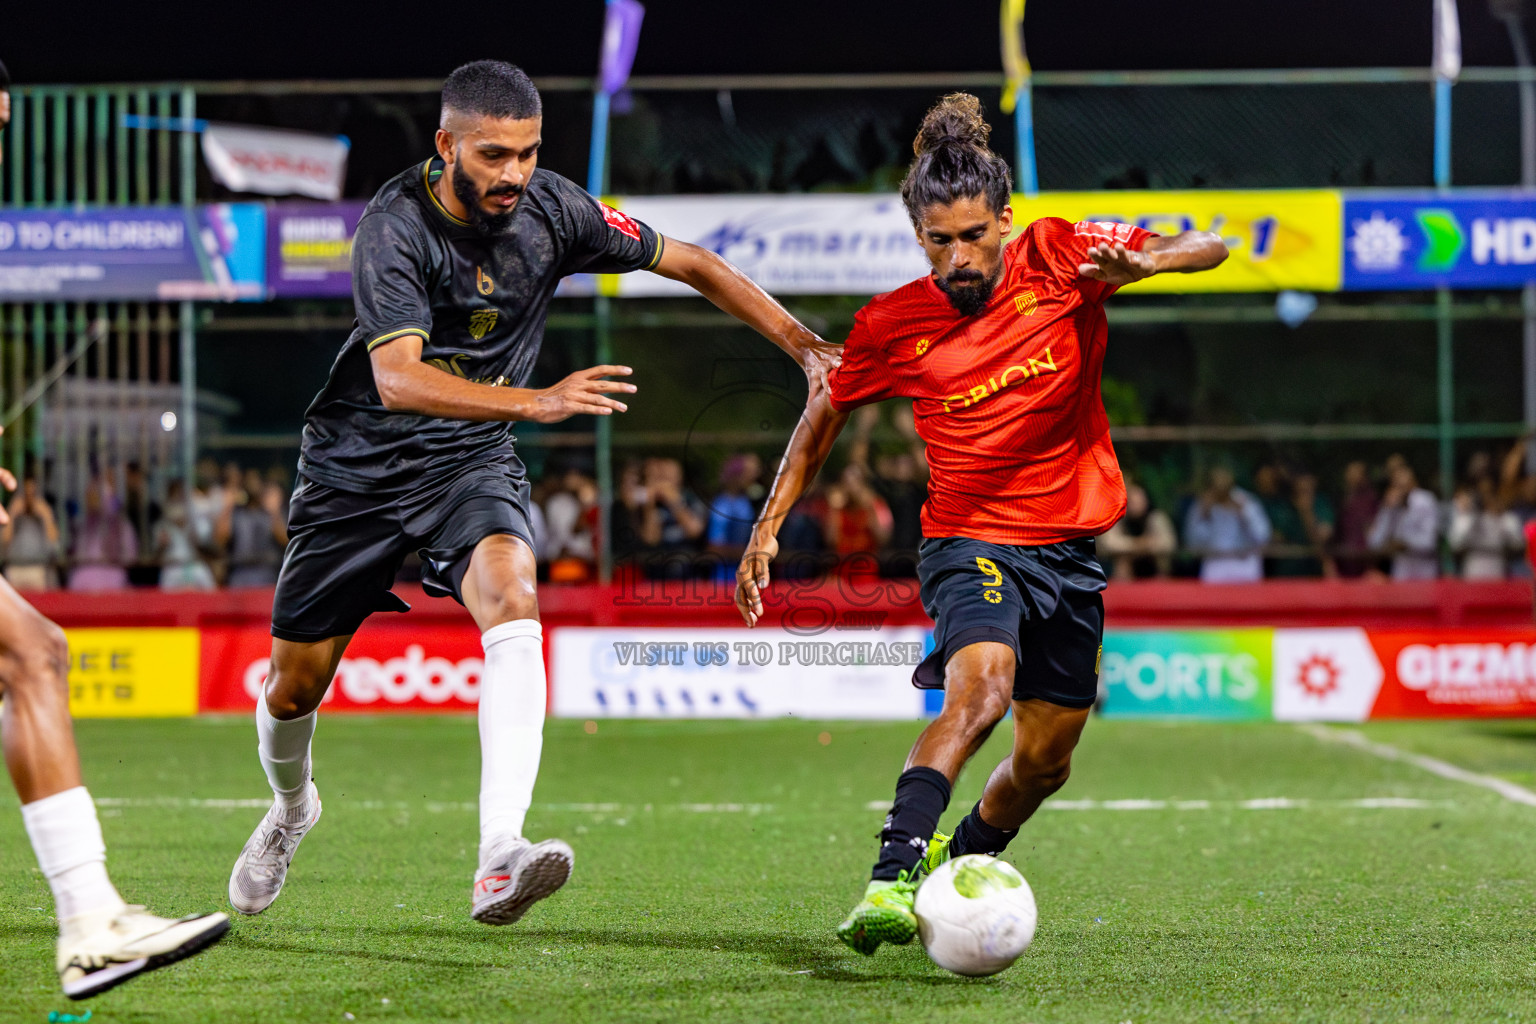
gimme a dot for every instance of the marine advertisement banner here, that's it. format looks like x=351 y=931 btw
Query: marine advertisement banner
x=309 y=249
x=215 y=252
x=1279 y=239
x=1187 y=673
x=1423 y=240
x=789 y=244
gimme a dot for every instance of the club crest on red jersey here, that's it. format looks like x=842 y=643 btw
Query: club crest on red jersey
x=1026 y=304
x=620 y=221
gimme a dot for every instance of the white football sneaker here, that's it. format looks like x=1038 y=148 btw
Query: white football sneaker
x=263 y=865
x=516 y=875
x=130 y=943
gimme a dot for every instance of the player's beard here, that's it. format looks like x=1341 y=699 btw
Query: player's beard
x=485 y=222
x=967 y=297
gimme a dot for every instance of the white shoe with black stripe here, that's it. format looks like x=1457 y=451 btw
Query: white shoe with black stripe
x=94 y=959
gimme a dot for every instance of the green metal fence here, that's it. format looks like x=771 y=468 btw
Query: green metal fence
x=69 y=145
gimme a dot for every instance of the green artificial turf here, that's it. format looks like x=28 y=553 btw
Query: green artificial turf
x=714 y=860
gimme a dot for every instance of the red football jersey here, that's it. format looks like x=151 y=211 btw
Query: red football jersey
x=1007 y=401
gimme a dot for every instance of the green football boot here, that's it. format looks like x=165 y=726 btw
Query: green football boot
x=938 y=853
x=883 y=915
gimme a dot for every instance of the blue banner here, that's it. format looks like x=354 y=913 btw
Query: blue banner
x=1423 y=240
x=215 y=252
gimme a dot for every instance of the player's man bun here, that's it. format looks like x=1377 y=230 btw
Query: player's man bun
x=491 y=88
x=954 y=119
x=952 y=161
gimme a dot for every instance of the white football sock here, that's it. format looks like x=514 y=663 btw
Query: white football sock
x=512 y=703
x=284 y=751
x=67 y=840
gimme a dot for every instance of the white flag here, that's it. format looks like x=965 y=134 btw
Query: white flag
x=274 y=162
x=1447 y=60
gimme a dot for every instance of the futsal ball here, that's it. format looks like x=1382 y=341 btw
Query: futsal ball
x=976 y=915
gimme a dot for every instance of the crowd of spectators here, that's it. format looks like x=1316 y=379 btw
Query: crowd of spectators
x=1380 y=522
x=229 y=530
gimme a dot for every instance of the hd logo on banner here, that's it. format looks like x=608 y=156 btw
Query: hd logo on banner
x=1397 y=241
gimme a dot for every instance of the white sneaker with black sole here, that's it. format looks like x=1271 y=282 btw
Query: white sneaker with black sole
x=516 y=875
x=101 y=955
x=263 y=865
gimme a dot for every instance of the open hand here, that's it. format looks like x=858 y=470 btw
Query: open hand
x=752 y=579
x=583 y=392
x=1117 y=265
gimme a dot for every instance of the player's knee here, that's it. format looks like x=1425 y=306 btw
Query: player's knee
x=981 y=708
x=38 y=662
x=515 y=600
x=1042 y=771
x=294 y=691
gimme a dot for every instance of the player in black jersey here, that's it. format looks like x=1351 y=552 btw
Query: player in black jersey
x=408 y=447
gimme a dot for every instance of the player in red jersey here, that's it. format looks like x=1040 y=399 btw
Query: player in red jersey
x=1001 y=349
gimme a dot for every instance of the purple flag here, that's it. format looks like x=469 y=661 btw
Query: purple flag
x=621 y=37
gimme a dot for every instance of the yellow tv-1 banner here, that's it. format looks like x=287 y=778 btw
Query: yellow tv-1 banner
x=133 y=673
x=1278 y=239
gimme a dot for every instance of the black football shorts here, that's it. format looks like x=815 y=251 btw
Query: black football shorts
x=1043 y=601
x=345 y=548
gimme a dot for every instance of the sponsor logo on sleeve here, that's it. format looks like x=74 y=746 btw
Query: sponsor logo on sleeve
x=620 y=221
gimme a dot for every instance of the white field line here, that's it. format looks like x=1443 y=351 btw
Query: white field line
x=1274 y=803
x=432 y=806
x=468 y=807
x=1357 y=739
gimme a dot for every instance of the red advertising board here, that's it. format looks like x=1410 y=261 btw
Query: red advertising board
x=1455 y=673
x=388 y=667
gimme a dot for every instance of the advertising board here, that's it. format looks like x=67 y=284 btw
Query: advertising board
x=154 y=252
x=132 y=673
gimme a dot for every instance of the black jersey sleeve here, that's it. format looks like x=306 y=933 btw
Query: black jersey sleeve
x=389 y=279
x=603 y=240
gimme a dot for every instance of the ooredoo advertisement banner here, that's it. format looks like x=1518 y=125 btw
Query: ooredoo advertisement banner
x=386 y=668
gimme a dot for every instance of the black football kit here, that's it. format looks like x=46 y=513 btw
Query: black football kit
x=375 y=484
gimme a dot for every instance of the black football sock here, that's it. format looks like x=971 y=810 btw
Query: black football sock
x=921 y=796
x=973 y=835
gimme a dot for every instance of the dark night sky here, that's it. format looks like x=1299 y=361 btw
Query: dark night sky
x=176 y=39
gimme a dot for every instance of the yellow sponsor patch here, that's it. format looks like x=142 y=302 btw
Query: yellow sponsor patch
x=133 y=673
x=481 y=321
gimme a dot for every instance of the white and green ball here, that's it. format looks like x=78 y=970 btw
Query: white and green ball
x=976 y=915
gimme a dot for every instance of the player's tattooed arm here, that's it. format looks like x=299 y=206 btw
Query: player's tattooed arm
x=1184 y=253
x=406 y=384
x=734 y=292
x=808 y=450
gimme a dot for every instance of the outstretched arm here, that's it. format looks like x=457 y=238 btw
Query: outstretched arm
x=1185 y=253
x=734 y=292
x=406 y=384
x=808 y=450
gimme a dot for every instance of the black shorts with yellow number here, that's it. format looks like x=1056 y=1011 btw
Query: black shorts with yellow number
x=344 y=548
x=1043 y=601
